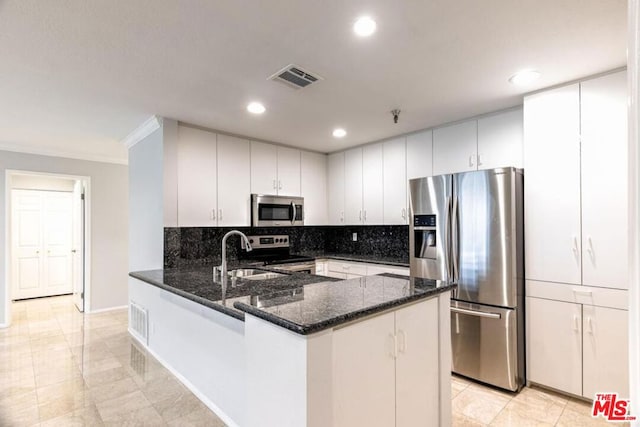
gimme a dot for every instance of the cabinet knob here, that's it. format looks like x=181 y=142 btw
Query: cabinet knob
x=471 y=161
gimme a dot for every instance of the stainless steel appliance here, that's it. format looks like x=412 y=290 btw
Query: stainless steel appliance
x=468 y=228
x=273 y=251
x=276 y=211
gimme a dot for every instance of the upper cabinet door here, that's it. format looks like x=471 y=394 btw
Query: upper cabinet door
x=264 y=168
x=420 y=155
x=500 y=140
x=455 y=148
x=604 y=181
x=395 y=181
x=353 y=186
x=336 y=182
x=288 y=171
x=196 y=178
x=372 y=184
x=234 y=183
x=552 y=185
x=314 y=188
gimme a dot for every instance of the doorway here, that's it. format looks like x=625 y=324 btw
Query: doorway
x=47 y=236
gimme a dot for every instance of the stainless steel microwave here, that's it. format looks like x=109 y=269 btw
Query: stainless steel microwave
x=276 y=211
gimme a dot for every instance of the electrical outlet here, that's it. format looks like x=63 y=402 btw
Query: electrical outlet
x=354 y=237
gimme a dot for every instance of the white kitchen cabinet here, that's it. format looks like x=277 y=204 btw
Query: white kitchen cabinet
x=274 y=169
x=500 y=140
x=313 y=187
x=577 y=348
x=605 y=351
x=234 y=182
x=358 y=351
x=197 y=178
x=455 y=148
x=372 y=185
x=389 y=354
x=353 y=186
x=264 y=168
x=336 y=190
x=395 y=181
x=554 y=344
x=420 y=154
x=603 y=114
x=552 y=185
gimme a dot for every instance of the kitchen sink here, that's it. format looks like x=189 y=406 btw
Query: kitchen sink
x=254 y=274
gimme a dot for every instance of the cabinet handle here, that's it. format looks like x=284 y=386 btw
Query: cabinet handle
x=279 y=185
x=394 y=346
x=274 y=184
x=213 y=214
x=404 y=213
x=580 y=291
x=575 y=249
x=341 y=216
x=590 y=249
x=365 y=214
x=576 y=325
x=479 y=160
x=471 y=161
x=589 y=326
x=220 y=214
x=402 y=346
x=360 y=216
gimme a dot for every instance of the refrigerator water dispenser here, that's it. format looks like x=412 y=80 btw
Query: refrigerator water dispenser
x=424 y=227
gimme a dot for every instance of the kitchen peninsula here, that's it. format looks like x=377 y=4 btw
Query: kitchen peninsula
x=300 y=349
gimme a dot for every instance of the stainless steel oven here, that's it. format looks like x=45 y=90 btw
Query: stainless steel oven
x=276 y=211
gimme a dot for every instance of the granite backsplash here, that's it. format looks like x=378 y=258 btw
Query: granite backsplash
x=187 y=246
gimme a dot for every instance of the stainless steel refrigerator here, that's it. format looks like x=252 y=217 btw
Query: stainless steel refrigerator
x=468 y=228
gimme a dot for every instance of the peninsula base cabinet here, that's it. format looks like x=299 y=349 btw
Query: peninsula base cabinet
x=392 y=369
x=579 y=344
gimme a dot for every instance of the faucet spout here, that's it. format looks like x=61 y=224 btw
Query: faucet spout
x=244 y=243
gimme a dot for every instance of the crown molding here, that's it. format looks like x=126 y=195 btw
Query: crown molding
x=38 y=151
x=141 y=132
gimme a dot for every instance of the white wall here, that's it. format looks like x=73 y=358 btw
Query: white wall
x=109 y=250
x=634 y=206
x=146 y=203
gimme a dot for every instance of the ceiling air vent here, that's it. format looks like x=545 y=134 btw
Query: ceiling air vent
x=295 y=77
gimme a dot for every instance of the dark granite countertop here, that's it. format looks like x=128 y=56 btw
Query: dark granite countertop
x=299 y=302
x=398 y=261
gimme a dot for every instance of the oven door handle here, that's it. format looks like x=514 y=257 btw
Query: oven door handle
x=293 y=206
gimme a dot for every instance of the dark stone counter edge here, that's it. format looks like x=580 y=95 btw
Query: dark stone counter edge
x=203 y=301
x=329 y=323
x=364 y=259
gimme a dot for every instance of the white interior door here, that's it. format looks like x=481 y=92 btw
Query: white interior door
x=41 y=239
x=77 y=249
x=26 y=243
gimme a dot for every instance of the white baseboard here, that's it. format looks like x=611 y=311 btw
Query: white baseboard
x=204 y=399
x=104 y=310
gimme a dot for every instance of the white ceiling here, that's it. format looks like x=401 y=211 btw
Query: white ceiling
x=76 y=76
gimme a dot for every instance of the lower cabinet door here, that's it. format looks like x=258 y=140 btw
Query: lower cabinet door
x=364 y=373
x=554 y=344
x=416 y=331
x=606 y=351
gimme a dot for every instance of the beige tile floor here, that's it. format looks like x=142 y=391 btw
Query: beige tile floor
x=59 y=367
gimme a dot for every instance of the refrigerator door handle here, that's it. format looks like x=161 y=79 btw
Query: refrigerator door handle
x=447 y=243
x=454 y=237
x=476 y=313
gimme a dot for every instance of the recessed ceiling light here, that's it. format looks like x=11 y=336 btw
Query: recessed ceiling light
x=256 y=108
x=524 y=77
x=364 y=26
x=339 y=133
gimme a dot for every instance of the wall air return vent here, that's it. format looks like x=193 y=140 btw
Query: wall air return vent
x=295 y=77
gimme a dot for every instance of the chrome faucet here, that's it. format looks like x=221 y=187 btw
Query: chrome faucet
x=244 y=244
